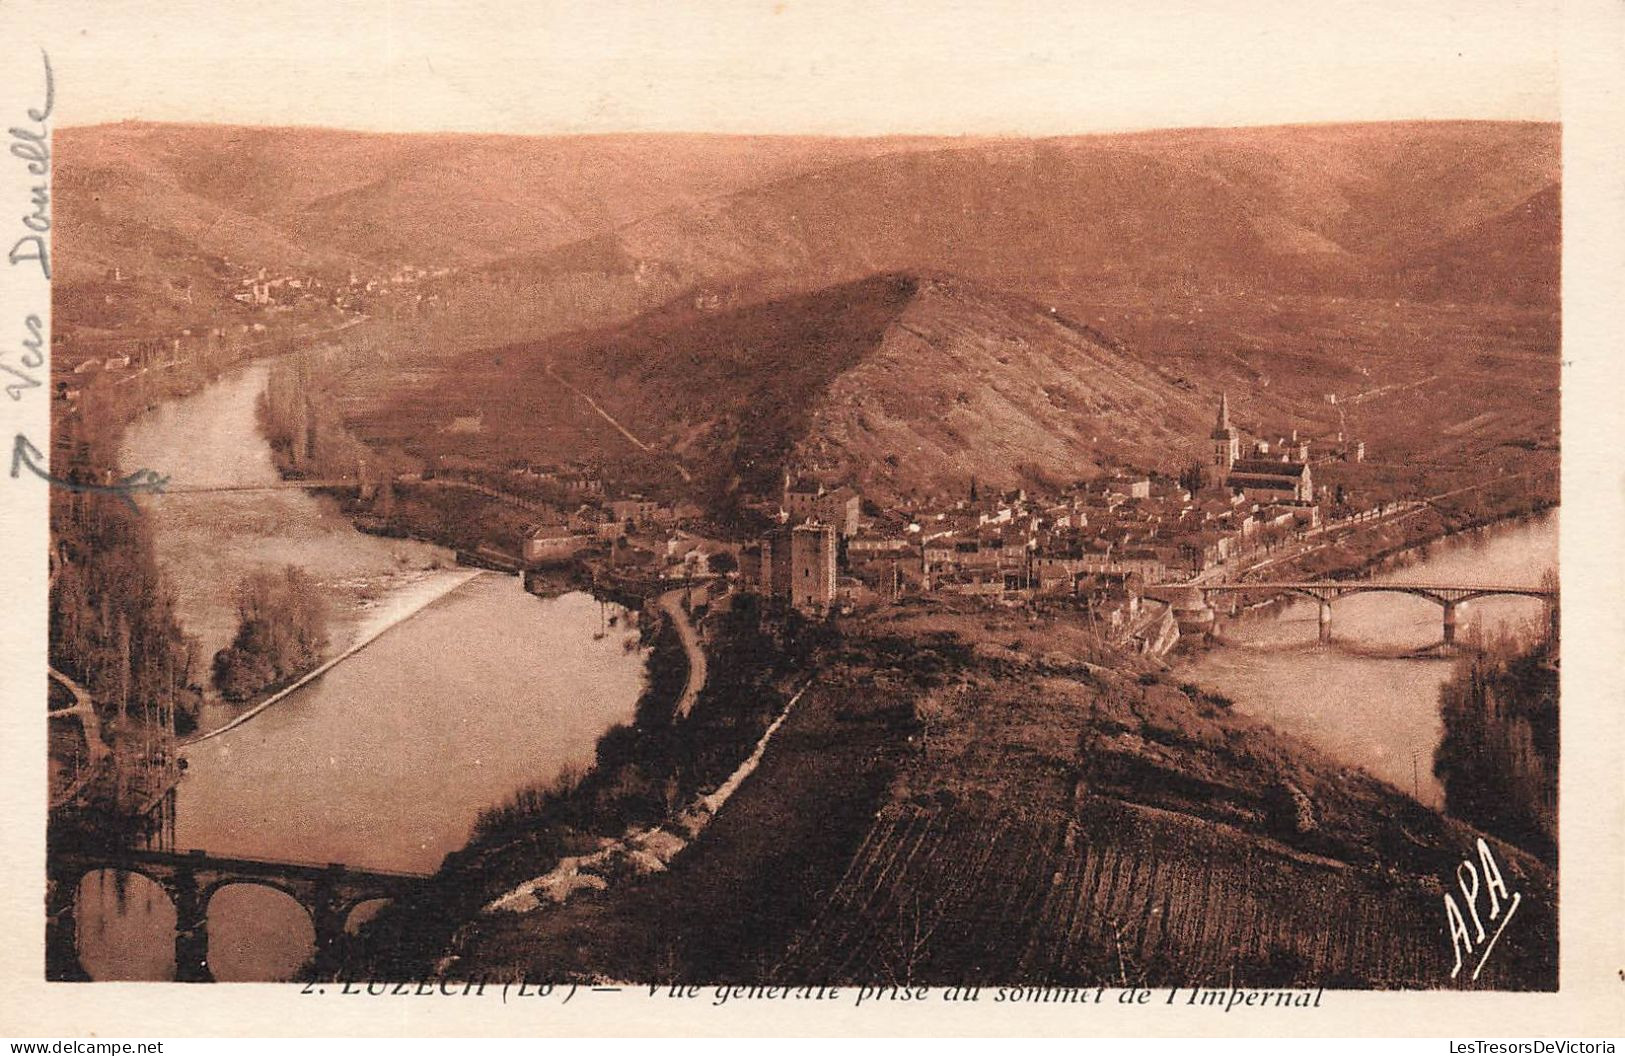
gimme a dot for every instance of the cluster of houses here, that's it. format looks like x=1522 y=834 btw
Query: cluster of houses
x=561 y=531
x=1103 y=541
x=280 y=292
x=1100 y=543
x=79 y=361
x=77 y=364
x=286 y=292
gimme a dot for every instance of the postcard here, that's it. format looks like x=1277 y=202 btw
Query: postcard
x=815 y=517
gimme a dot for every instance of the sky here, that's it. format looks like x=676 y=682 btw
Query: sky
x=797 y=66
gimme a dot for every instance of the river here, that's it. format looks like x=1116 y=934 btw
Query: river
x=471 y=690
x=1350 y=698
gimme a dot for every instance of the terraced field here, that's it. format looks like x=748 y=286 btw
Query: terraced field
x=1059 y=826
x=1124 y=895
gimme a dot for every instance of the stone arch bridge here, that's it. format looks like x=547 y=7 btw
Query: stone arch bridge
x=1448 y=596
x=329 y=894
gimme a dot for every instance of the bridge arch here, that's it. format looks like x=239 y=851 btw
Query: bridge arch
x=255 y=928
x=1474 y=595
x=73 y=877
x=1378 y=588
x=313 y=902
x=207 y=892
x=349 y=912
x=105 y=919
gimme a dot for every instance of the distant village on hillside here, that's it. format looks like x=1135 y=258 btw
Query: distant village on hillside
x=112 y=364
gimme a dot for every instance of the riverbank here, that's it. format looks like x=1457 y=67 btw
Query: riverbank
x=643 y=777
x=1371 y=696
x=1386 y=544
x=1396 y=558
x=1498 y=760
x=1362 y=560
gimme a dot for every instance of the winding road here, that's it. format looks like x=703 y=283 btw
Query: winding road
x=671 y=604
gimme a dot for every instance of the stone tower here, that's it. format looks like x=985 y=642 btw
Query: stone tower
x=812 y=567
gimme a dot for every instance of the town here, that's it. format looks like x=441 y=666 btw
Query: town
x=1100 y=543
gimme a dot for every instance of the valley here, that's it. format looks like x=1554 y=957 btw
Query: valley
x=990 y=390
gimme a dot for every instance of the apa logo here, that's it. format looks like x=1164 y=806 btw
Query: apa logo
x=1484 y=879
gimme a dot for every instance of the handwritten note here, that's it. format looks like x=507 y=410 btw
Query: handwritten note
x=31 y=144
x=25 y=368
x=24 y=455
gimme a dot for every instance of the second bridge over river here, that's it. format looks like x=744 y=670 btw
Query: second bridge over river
x=328 y=893
x=1449 y=596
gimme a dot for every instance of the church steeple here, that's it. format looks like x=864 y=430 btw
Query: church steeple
x=1226 y=441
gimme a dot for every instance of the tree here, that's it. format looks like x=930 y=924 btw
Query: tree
x=1194 y=477
x=1498 y=757
x=281 y=633
x=113 y=627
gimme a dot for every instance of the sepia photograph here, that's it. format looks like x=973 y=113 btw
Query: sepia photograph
x=1016 y=501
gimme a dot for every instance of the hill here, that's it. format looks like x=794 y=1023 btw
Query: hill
x=1517 y=251
x=1283 y=263
x=1286 y=264
x=1316 y=209
x=170 y=203
x=970 y=383
x=899 y=383
x=1355 y=208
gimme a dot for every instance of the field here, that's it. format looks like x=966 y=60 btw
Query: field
x=1130 y=896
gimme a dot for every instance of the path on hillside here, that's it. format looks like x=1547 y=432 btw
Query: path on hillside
x=671 y=604
x=1384 y=390
x=83 y=710
x=606 y=416
x=96 y=749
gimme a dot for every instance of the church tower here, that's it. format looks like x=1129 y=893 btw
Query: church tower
x=1226 y=441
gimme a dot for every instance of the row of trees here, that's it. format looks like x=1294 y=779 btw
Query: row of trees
x=1498 y=757
x=306 y=434
x=113 y=627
